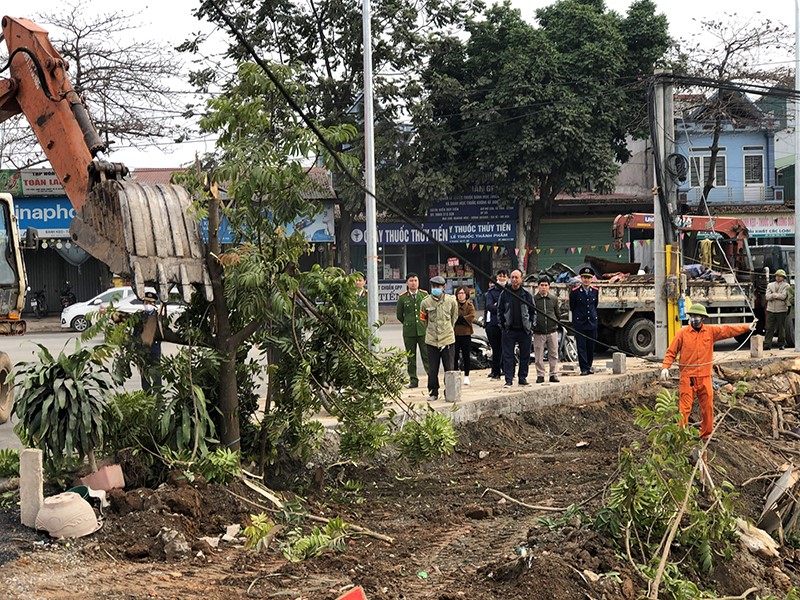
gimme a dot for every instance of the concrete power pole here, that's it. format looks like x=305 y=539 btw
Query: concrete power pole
x=663 y=238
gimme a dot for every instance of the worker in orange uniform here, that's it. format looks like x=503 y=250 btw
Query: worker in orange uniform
x=695 y=344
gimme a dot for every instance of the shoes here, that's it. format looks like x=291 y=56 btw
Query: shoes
x=591 y=371
x=493 y=376
x=466 y=379
x=411 y=386
x=586 y=372
x=433 y=397
x=554 y=379
x=540 y=379
x=507 y=384
x=523 y=382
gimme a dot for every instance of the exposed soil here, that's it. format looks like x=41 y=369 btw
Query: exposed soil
x=451 y=540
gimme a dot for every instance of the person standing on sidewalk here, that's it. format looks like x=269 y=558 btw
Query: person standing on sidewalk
x=361 y=292
x=583 y=301
x=492 y=323
x=438 y=312
x=695 y=345
x=517 y=319
x=777 y=308
x=408 y=305
x=463 y=329
x=545 y=331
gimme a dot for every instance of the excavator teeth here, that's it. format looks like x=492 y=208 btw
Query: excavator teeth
x=145 y=232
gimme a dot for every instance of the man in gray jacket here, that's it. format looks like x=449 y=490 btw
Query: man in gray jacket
x=777 y=293
x=438 y=312
x=545 y=330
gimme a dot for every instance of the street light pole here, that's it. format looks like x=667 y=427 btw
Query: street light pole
x=796 y=171
x=369 y=163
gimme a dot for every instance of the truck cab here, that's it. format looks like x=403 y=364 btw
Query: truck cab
x=773 y=257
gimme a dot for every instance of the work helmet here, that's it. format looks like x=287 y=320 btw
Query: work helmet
x=780 y=272
x=697 y=309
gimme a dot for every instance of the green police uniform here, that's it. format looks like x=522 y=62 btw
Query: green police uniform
x=413 y=331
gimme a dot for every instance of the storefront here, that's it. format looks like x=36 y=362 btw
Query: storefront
x=476 y=235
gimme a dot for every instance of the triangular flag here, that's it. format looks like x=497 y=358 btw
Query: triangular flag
x=474 y=246
x=481 y=247
x=593 y=247
x=627 y=244
x=516 y=251
x=649 y=242
x=682 y=234
x=572 y=250
x=607 y=245
x=539 y=251
x=579 y=249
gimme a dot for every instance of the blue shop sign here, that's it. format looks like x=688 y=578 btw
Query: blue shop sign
x=479 y=205
x=50 y=217
x=481 y=232
x=316 y=229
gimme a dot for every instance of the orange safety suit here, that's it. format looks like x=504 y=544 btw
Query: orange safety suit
x=696 y=349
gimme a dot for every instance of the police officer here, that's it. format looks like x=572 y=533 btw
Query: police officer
x=413 y=328
x=583 y=301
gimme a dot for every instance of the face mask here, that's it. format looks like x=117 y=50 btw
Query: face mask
x=437 y=292
x=696 y=322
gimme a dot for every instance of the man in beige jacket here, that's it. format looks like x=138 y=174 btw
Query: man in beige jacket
x=439 y=312
x=777 y=294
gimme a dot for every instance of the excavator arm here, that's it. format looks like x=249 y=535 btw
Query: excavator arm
x=729 y=227
x=144 y=232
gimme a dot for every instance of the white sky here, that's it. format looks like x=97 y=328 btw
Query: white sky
x=171 y=21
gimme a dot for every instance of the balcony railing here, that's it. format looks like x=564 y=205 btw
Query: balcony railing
x=772 y=194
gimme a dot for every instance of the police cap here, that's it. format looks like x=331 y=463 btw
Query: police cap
x=586 y=271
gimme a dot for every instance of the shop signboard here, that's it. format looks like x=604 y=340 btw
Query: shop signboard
x=50 y=217
x=388 y=293
x=41 y=182
x=768 y=225
x=317 y=229
x=481 y=205
x=11 y=182
x=476 y=232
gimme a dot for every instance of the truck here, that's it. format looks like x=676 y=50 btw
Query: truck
x=145 y=233
x=626 y=307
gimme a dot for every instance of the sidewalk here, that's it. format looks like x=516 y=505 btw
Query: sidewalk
x=49 y=324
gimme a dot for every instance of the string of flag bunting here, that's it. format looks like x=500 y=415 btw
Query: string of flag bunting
x=568 y=250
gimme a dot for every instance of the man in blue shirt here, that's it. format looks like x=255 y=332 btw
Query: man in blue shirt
x=583 y=301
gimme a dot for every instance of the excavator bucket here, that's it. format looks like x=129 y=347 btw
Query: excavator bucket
x=145 y=232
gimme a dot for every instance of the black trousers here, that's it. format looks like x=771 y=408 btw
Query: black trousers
x=435 y=356
x=495 y=335
x=512 y=338
x=584 y=339
x=463 y=343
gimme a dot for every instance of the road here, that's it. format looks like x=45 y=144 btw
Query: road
x=25 y=348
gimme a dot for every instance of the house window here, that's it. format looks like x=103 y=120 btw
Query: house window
x=700 y=165
x=753 y=169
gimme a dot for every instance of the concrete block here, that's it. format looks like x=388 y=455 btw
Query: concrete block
x=452 y=386
x=756 y=346
x=619 y=365
x=568 y=367
x=31 y=486
x=107 y=478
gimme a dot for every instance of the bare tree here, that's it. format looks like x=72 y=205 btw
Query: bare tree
x=125 y=79
x=738 y=54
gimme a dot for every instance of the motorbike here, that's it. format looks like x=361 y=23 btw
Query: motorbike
x=67 y=296
x=481 y=352
x=39 y=303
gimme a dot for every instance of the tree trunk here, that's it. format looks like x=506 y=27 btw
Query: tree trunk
x=538 y=211
x=708 y=183
x=229 y=402
x=343 y=238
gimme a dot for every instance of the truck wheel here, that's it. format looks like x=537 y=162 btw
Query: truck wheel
x=640 y=336
x=620 y=341
x=6 y=389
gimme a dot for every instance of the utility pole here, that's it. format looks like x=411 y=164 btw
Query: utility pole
x=659 y=241
x=796 y=172
x=369 y=161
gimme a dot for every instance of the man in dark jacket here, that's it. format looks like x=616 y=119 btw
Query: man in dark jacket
x=493 y=331
x=583 y=301
x=517 y=320
x=545 y=331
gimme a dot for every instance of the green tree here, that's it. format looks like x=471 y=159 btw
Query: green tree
x=538 y=110
x=260 y=297
x=324 y=39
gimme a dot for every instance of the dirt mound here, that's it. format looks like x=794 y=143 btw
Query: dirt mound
x=452 y=539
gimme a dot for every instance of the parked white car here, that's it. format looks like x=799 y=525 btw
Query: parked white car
x=75 y=315
x=132 y=304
